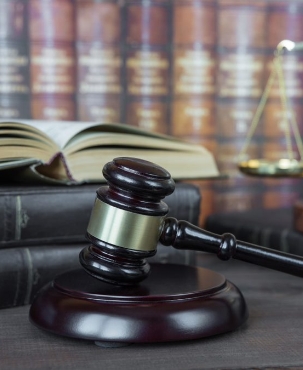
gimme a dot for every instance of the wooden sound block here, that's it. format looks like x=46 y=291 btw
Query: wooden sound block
x=176 y=302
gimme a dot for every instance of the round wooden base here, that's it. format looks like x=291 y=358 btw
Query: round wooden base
x=175 y=303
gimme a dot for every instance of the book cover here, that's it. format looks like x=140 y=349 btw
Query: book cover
x=52 y=59
x=43 y=215
x=14 y=60
x=99 y=60
x=25 y=270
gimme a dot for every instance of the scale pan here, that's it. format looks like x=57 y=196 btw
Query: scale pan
x=264 y=167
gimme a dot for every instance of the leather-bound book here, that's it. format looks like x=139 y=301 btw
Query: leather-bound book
x=14 y=60
x=147 y=63
x=241 y=61
x=45 y=215
x=99 y=60
x=25 y=270
x=193 y=69
x=52 y=59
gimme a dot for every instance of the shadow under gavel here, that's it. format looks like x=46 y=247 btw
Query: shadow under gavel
x=128 y=220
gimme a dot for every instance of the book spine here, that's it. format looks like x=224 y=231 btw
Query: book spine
x=14 y=60
x=147 y=57
x=289 y=16
x=194 y=38
x=43 y=217
x=193 y=69
x=99 y=60
x=52 y=59
x=24 y=271
x=240 y=81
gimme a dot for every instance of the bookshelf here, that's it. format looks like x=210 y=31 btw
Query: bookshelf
x=194 y=69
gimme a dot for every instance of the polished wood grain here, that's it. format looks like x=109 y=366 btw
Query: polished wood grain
x=176 y=303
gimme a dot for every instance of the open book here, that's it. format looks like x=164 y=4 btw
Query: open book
x=75 y=152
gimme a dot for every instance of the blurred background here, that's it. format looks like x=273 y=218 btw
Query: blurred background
x=195 y=69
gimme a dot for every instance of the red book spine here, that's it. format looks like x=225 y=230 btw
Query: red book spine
x=52 y=59
x=99 y=60
x=193 y=65
x=147 y=63
x=14 y=60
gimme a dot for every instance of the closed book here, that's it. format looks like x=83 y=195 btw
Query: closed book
x=52 y=59
x=99 y=60
x=14 y=57
x=194 y=38
x=147 y=56
x=45 y=215
x=271 y=228
x=25 y=270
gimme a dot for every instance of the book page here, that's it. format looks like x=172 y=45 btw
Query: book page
x=61 y=132
x=66 y=132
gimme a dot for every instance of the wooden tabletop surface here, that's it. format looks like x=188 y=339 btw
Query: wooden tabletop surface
x=272 y=338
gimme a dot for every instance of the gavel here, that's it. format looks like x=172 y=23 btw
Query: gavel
x=128 y=220
x=176 y=302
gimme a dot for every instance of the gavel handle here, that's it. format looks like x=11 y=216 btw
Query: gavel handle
x=184 y=235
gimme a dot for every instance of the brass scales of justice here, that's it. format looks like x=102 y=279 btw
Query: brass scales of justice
x=284 y=167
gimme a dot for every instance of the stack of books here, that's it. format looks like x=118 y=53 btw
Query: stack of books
x=59 y=168
x=43 y=228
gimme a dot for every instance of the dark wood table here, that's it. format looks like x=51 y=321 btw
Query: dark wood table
x=271 y=338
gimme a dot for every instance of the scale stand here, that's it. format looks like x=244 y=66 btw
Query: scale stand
x=285 y=167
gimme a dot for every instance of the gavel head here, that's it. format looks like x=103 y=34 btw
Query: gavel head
x=126 y=221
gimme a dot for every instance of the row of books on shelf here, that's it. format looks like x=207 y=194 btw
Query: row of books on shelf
x=189 y=68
